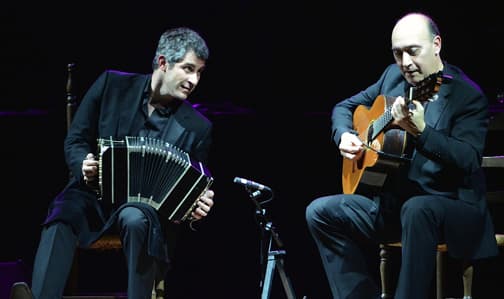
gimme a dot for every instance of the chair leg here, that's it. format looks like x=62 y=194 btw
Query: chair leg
x=384 y=272
x=440 y=274
x=158 y=292
x=72 y=284
x=467 y=278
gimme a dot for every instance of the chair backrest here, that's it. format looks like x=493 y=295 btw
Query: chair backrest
x=70 y=100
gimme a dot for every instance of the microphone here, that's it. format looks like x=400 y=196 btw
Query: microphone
x=251 y=184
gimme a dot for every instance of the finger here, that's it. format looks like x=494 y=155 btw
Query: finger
x=208 y=202
x=400 y=100
x=397 y=112
x=202 y=210
x=205 y=205
x=393 y=111
x=353 y=144
x=209 y=193
x=347 y=155
x=89 y=172
x=418 y=106
x=356 y=141
x=207 y=197
x=205 y=200
x=199 y=213
x=398 y=109
x=349 y=139
x=196 y=215
x=89 y=167
x=89 y=179
x=350 y=150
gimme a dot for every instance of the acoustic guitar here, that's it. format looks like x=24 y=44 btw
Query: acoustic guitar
x=384 y=145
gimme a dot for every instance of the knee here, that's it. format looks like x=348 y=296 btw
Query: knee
x=60 y=230
x=416 y=209
x=316 y=210
x=132 y=219
x=312 y=212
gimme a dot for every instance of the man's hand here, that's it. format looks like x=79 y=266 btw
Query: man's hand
x=205 y=203
x=350 y=146
x=89 y=168
x=409 y=119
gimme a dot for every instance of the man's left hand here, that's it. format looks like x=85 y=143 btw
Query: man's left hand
x=409 y=119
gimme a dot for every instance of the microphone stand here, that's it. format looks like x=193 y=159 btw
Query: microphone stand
x=275 y=258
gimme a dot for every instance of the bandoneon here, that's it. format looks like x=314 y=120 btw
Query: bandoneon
x=148 y=170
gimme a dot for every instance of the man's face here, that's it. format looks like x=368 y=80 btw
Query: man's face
x=180 y=79
x=415 y=50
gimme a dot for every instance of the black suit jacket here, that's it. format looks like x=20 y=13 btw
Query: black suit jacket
x=108 y=109
x=448 y=154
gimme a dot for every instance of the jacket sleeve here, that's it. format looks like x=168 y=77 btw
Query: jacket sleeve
x=342 y=113
x=459 y=146
x=82 y=135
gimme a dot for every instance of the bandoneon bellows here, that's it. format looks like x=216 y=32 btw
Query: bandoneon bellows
x=148 y=170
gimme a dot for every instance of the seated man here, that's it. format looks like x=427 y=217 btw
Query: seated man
x=122 y=104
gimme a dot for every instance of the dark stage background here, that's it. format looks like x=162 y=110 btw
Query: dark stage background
x=275 y=71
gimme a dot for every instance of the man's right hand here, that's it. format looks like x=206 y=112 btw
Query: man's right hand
x=89 y=168
x=350 y=146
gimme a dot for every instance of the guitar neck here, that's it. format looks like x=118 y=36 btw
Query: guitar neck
x=382 y=122
x=422 y=92
x=417 y=93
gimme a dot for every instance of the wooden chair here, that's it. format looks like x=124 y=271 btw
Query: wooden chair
x=108 y=242
x=467 y=268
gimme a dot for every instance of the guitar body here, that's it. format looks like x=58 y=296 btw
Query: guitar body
x=371 y=163
x=384 y=145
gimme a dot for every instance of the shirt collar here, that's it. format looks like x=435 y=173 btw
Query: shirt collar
x=163 y=110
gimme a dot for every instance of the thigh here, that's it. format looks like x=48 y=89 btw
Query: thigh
x=353 y=213
x=132 y=218
x=439 y=208
x=442 y=213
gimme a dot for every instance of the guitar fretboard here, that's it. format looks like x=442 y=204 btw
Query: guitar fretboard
x=422 y=92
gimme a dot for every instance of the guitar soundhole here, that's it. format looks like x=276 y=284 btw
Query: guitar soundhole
x=369 y=134
x=360 y=161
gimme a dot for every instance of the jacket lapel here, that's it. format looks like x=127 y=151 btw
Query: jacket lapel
x=128 y=106
x=435 y=109
x=177 y=127
x=176 y=131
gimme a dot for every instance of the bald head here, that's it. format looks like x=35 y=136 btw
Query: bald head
x=414 y=25
x=416 y=45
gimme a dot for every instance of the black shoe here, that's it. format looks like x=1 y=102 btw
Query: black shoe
x=20 y=290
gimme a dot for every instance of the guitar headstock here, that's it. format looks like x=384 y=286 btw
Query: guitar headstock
x=426 y=88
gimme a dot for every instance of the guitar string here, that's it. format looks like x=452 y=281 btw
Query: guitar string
x=435 y=80
x=382 y=153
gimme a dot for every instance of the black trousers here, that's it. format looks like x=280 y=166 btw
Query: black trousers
x=348 y=228
x=57 y=247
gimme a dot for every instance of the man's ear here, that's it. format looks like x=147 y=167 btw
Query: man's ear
x=437 y=44
x=162 y=63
